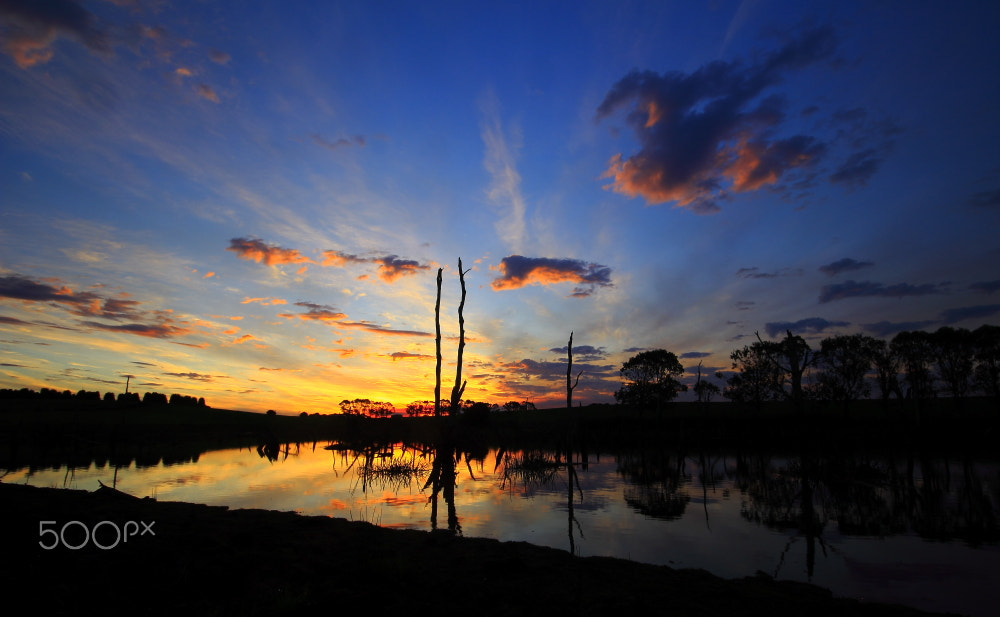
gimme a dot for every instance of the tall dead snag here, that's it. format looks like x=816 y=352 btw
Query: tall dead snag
x=569 y=374
x=459 y=389
x=437 y=330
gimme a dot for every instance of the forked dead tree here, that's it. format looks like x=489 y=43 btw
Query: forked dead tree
x=437 y=330
x=459 y=389
x=569 y=374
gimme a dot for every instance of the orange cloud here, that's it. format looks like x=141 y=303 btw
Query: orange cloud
x=517 y=271
x=256 y=250
x=263 y=301
x=244 y=339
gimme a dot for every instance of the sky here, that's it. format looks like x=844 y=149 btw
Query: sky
x=249 y=202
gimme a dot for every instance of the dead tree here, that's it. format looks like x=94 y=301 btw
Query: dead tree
x=459 y=389
x=437 y=329
x=569 y=374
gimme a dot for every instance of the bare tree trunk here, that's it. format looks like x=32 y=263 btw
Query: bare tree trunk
x=459 y=389
x=437 y=329
x=569 y=374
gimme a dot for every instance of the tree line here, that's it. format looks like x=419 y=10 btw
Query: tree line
x=913 y=365
x=109 y=398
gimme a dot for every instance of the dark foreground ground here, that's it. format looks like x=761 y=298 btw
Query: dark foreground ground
x=213 y=561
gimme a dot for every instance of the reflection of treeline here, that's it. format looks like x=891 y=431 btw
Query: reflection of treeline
x=863 y=494
x=128 y=398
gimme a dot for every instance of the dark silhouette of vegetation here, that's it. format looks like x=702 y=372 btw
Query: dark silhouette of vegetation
x=650 y=379
x=366 y=407
x=570 y=386
x=109 y=398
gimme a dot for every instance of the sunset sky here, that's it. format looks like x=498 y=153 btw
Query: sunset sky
x=250 y=201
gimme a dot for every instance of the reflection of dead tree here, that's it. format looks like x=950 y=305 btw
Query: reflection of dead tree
x=442 y=481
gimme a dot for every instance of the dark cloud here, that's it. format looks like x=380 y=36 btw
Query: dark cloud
x=810 y=324
x=856 y=289
x=316 y=312
x=403 y=355
x=259 y=251
x=844 y=265
x=695 y=354
x=82 y=303
x=956 y=315
x=986 y=287
x=193 y=376
x=367 y=326
x=755 y=273
x=165 y=329
x=13 y=321
x=23 y=288
x=343 y=142
x=884 y=329
x=32 y=26
x=869 y=142
x=709 y=132
x=745 y=305
x=986 y=199
x=517 y=271
x=582 y=353
x=219 y=57
x=391 y=267
x=207 y=92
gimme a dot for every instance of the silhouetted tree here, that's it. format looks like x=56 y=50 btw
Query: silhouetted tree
x=366 y=407
x=887 y=365
x=845 y=360
x=915 y=351
x=650 y=379
x=758 y=379
x=954 y=357
x=986 y=343
x=793 y=357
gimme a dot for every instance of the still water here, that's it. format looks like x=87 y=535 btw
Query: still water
x=919 y=531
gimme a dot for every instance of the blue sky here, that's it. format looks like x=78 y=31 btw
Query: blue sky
x=249 y=201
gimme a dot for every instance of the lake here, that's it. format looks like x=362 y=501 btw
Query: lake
x=921 y=531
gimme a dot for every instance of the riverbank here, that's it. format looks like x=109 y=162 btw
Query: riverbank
x=213 y=561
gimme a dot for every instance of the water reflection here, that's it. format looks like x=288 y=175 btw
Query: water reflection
x=805 y=516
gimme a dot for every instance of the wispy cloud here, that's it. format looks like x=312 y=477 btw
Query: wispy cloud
x=861 y=289
x=810 y=324
x=517 y=271
x=844 y=265
x=207 y=92
x=986 y=199
x=343 y=142
x=755 y=273
x=499 y=160
x=986 y=287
